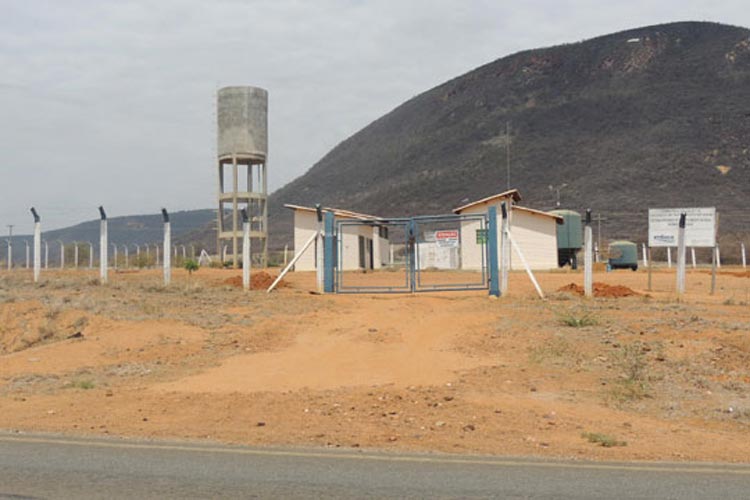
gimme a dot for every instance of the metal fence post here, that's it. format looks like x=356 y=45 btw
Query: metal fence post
x=492 y=254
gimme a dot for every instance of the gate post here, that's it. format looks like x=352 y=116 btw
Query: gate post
x=492 y=254
x=412 y=255
x=328 y=256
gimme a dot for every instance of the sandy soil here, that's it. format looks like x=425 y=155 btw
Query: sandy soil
x=660 y=378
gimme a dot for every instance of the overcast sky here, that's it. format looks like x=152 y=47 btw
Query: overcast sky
x=113 y=102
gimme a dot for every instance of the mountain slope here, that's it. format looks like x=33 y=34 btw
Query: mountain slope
x=651 y=117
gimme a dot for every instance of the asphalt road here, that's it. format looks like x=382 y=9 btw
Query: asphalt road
x=38 y=466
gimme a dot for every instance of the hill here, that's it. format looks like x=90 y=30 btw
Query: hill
x=651 y=117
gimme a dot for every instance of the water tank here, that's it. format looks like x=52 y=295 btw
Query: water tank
x=569 y=237
x=570 y=232
x=623 y=255
x=243 y=122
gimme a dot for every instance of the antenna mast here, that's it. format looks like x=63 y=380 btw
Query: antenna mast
x=507 y=153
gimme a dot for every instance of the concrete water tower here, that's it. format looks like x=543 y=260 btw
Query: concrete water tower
x=242 y=116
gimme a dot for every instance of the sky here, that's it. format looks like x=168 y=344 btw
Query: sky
x=113 y=102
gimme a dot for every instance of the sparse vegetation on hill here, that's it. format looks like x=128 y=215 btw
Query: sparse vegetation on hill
x=655 y=116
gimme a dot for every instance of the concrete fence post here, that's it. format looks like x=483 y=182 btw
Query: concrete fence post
x=103 y=247
x=37 y=244
x=167 y=246
x=62 y=254
x=504 y=250
x=588 y=274
x=681 y=255
x=246 y=264
x=10 y=252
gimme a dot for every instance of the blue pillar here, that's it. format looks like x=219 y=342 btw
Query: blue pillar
x=328 y=254
x=492 y=253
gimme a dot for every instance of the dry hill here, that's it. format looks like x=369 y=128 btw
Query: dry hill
x=655 y=116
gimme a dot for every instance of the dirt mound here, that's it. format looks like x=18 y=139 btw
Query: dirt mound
x=600 y=290
x=740 y=274
x=258 y=281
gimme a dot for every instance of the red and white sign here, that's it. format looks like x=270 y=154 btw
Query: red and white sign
x=447 y=238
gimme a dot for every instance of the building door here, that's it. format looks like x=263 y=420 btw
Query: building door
x=361 y=246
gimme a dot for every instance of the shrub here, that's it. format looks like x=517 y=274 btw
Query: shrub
x=603 y=439
x=578 y=319
x=191 y=265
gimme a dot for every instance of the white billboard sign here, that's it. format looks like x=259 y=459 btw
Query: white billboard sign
x=700 y=226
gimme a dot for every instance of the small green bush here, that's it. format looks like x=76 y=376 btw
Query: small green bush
x=603 y=439
x=83 y=384
x=575 y=319
x=191 y=265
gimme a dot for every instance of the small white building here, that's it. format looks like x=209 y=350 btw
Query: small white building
x=533 y=230
x=364 y=246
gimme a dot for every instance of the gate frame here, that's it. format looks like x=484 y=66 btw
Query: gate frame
x=333 y=243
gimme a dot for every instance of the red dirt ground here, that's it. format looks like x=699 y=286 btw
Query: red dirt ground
x=448 y=371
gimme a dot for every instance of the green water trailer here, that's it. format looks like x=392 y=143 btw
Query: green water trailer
x=623 y=255
x=569 y=237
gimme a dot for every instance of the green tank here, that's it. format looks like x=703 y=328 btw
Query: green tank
x=623 y=255
x=569 y=237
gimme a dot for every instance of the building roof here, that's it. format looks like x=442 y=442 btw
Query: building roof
x=512 y=193
x=344 y=214
x=559 y=218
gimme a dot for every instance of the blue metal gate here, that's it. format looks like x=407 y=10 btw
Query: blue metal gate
x=425 y=254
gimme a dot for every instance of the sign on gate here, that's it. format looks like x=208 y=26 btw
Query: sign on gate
x=700 y=226
x=447 y=238
x=481 y=236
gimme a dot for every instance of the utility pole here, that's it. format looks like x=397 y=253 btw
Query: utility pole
x=10 y=246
